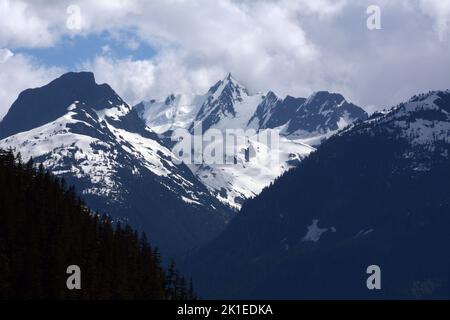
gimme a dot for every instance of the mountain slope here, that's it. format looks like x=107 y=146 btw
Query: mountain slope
x=376 y=193
x=274 y=112
x=175 y=112
x=324 y=112
x=256 y=163
x=116 y=162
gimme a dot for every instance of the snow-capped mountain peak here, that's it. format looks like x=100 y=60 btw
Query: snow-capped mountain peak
x=431 y=110
x=299 y=124
x=109 y=127
x=421 y=126
x=274 y=112
x=98 y=143
x=36 y=107
x=322 y=114
x=228 y=105
x=381 y=183
x=228 y=85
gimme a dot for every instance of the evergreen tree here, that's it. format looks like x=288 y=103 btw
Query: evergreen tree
x=45 y=227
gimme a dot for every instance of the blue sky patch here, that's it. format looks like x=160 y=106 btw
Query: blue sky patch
x=71 y=52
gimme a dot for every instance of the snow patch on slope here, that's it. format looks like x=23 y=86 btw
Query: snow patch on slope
x=177 y=111
x=248 y=176
x=95 y=159
x=314 y=232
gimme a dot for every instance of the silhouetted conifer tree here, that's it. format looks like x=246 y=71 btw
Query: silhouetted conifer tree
x=45 y=227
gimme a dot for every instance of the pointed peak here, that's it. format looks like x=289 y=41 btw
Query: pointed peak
x=271 y=96
x=228 y=82
x=230 y=79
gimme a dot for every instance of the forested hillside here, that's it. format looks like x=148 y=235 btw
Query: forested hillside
x=45 y=227
x=377 y=193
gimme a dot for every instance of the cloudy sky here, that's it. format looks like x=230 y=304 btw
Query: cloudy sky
x=147 y=49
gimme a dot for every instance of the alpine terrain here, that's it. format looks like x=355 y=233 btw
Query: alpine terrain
x=376 y=193
x=122 y=159
x=85 y=133
x=297 y=125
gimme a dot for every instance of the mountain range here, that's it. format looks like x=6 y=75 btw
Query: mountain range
x=376 y=193
x=85 y=133
x=120 y=157
x=299 y=124
x=347 y=190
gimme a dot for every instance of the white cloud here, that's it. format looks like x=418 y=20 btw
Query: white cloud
x=18 y=73
x=287 y=46
x=200 y=41
x=131 y=79
x=5 y=55
x=321 y=8
x=439 y=10
x=21 y=25
x=293 y=47
x=136 y=80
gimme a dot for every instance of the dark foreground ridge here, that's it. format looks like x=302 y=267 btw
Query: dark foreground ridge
x=45 y=227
